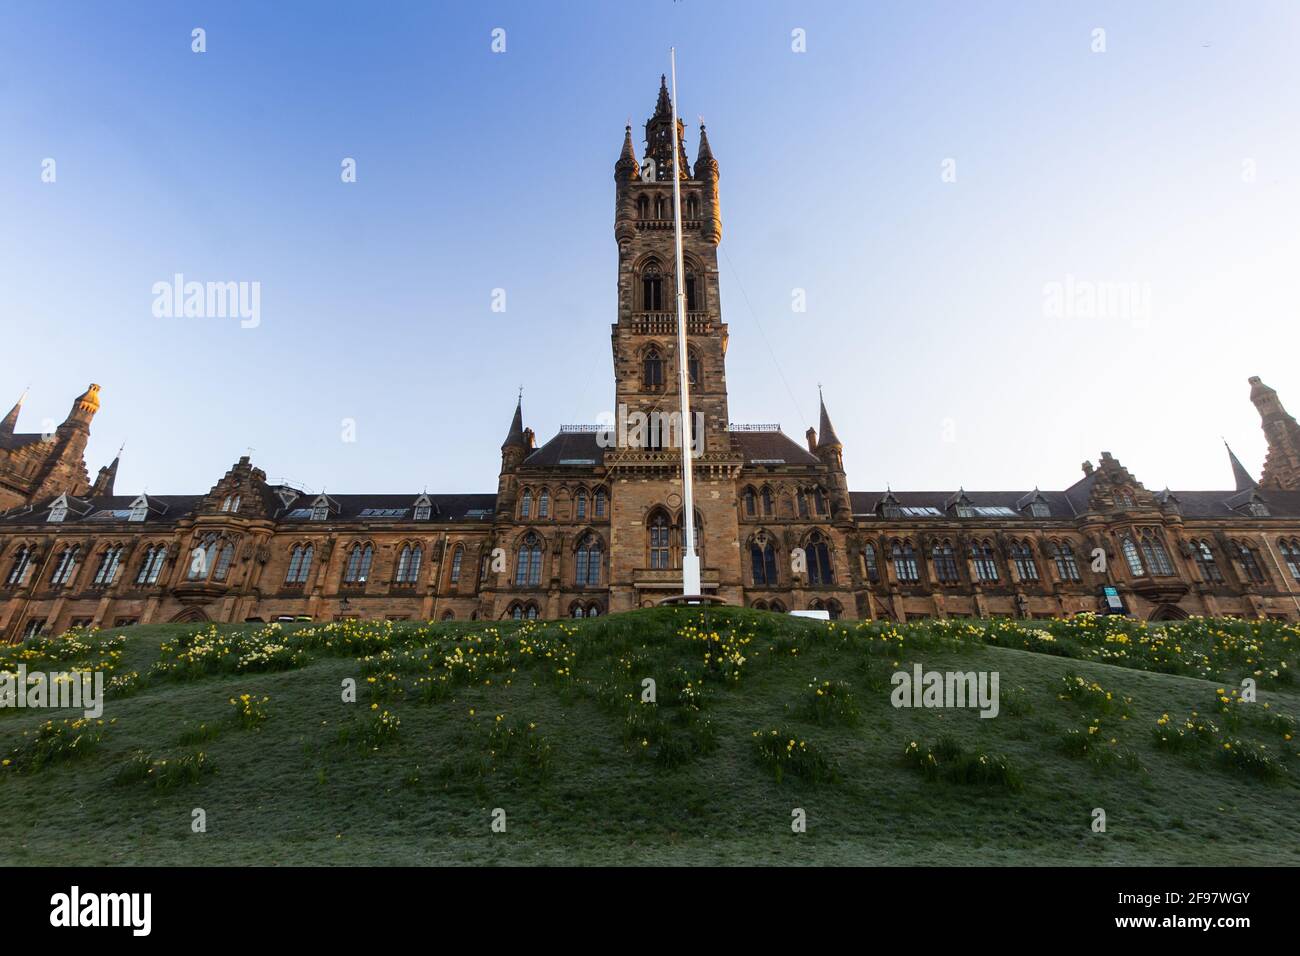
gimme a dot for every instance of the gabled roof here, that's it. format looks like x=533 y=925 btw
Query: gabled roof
x=772 y=448
x=577 y=449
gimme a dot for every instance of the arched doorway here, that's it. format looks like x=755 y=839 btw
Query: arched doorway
x=1168 y=612
x=190 y=615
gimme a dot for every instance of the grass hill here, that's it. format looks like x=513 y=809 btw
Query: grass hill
x=755 y=716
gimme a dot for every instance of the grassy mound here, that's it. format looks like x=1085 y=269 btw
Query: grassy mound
x=660 y=736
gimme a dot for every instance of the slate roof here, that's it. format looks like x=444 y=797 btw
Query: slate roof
x=10 y=442
x=580 y=449
x=772 y=448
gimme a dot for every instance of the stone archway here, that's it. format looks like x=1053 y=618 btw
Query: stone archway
x=1168 y=612
x=191 y=615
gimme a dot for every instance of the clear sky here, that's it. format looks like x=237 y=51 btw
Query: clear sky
x=1169 y=165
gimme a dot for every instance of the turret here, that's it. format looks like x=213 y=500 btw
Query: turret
x=103 y=486
x=626 y=171
x=1282 y=464
x=10 y=421
x=706 y=171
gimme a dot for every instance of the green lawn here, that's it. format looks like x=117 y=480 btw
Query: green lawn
x=585 y=773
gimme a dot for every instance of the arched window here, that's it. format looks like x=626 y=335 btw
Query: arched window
x=449 y=615
x=1153 y=550
x=577 y=611
x=408 y=564
x=652 y=286
x=528 y=564
x=653 y=369
x=517 y=612
x=358 y=567
x=66 y=566
x=1066 y=565
x=823 y=504
x=869 y=563
x=643 y=206
x=986 y=565
x=693 y=366
x=659 y=541
x=600 y=502
x=904 y=559
x=151 y=566
x=801 y=503
x=457 y=556
x=1291 y=555
x=588 y=561
x=202 y=558
x=580 y=506
x=945 y=562
x=820 y=570
x=776 y=607
x=226 y=557
x=1209 y=568
x=762 y=558
x=299 y=564
x=834 y=609
x=1123 y=500
x=544 y=504
x=751 y=503
x=767 y=501
x=593 y=610
x=108 y=564
x=1023 y=557
x=1250 y=563
x=526 y=504
x=1131 y=556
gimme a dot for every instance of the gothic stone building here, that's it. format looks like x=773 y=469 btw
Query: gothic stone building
x=583 y=526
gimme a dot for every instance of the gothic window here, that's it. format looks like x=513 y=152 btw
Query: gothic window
x=693 y=367
x=448 y=615
x=66 y=566
x=820 y=570
x=776 y=607
x=904 y=559
x=1066 y=565
x=652 y=289
x=358 y=566
x=227 y=555
x=823 y=505
x=544 y=504
x=517 y=612
x=869 y=560
x=107 y=569
x=653 y=371
x=593 y=610
x=526 y=505
x=767 y=501
x=1023 y=557
x=659 y=538
x=643 y=207
x=588 y=561
x=986 y=565
x=1123 y=500
x=457 y=556
x=299 y=564
x=751 y=503
x=528 y=566
x=945 y=562
x=152 y=564
x=408 y=564
x=1209 y=568
x=763 y=559
x=1153 y=550
x=1250 y=563
x=202 y=558
x=801 y=503
x=580 y=506
x=661 y=206
x=1131 y=556
x=693 y=206
x=1291 y=555
x=19 y=568
x=600 y=502
x=834 y=609
x=692 y=304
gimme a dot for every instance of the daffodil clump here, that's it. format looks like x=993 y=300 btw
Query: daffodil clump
x=211 y=650
x=946 y=759
x=830 y=702
x=1092 y=697
x=1268 y=753
x=250 y=711
x=376 y=727
x=785 y=753
x=54 y=741
x=165 y=773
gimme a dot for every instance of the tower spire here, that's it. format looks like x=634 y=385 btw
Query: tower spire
x=10 y=421
x=515 y=437
x=825 y=430
x=1240 y=476
x=103 y=486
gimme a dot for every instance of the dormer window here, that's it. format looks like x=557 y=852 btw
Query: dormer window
x=964 y=510
x=1257 y=509
x=58 y=512
x=320 y=509
x=139 y=509
x=423 y=508
x=225 y=505
x=1039 y=509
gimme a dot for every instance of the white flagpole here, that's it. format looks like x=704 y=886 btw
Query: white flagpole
x=690 y=560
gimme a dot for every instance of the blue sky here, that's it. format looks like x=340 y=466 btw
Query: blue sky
x=1166 y=164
